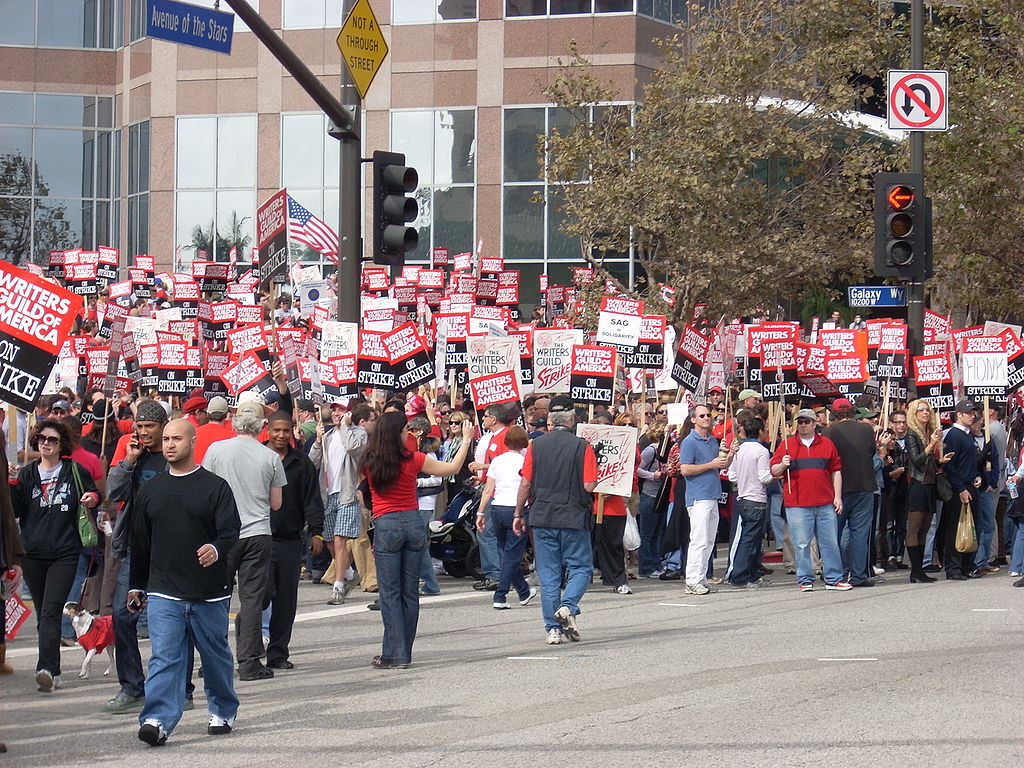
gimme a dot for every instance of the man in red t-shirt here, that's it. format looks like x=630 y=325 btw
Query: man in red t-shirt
x=216 y=429
x=812 y=488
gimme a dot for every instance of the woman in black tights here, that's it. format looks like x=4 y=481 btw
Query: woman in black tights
x=924 y=454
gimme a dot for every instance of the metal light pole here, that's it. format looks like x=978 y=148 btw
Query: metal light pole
x=915 y=288
x=350 y=249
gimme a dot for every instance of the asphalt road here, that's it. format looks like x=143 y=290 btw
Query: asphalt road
x=896 y=675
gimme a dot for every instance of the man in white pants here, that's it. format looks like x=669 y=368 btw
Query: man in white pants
x=700 y=462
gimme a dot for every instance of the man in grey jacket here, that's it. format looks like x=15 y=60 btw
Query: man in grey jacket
x=345 y=444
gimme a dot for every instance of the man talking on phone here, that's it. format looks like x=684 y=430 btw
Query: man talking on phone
x=185 y=524
x=143 y=461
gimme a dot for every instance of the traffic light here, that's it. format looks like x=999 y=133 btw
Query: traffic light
x=393 y=209
x=902 y=224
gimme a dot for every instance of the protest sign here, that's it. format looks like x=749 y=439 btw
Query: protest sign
x=691 y=354
x=272 y=239
x=619 y=322
x=408 y=356
x=495 y=389
x=592 y=379
x=374 y=365
x=615 y=448
x=552 y=358
x=933 y=375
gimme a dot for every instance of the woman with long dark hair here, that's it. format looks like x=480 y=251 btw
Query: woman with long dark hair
x=399 y=536
x=45 y=501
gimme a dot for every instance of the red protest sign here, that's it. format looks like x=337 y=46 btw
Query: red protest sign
x=593 y=374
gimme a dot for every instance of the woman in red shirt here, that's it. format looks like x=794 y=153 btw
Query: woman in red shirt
x=399 y=535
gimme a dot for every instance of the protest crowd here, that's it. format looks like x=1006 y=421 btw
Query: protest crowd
x=189 y=439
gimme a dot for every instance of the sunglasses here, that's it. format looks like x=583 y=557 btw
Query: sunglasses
x=445 y=413
x=702 y=415
x=48 y=439
x=661 y=411
x=803 y=421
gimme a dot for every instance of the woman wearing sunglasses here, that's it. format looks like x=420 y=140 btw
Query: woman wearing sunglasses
x=45 y=501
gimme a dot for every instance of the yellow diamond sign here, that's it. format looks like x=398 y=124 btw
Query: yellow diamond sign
x=362 y=45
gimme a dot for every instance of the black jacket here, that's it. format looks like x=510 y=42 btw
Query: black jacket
x=50 y=530
x=962 y=469
x=301 y=504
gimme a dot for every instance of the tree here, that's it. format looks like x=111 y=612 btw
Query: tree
x=52 y=229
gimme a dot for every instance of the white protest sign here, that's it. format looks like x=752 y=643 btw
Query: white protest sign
x=619 y=322
x=552 y=358
x=616 y=456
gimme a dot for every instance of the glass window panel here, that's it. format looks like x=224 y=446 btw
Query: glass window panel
x=612 y=6
x=560 y=272
x=526 y=7
x=522 y=129
x=236 y=217
x=58 y=224
x=138 y=30
x=138 y=158
x=64 y=162
x=522 y=225
x=332 y=157
x=104 y=163
x=15 y=228
x=88 y=229
x=334 y=13
x=303 y=13
x=73 y=111
x=239 y=24
x=193 y=229
x=106 y=23
x=197 y=152
x=455 y=147
x=560 y=246
x=529 y=280
x=18 y=27
x=412 y=134
x=680 y=10
x=422 y=226
x=105 y=112
x=66 y=24
x=16 y=161
x=16 y=107
x=413 y=11
x=570 y=6
x=448 y=10
x=453 y=219
x=302 y=141
x=138 y=224
x=236 y=151
x=619 y=270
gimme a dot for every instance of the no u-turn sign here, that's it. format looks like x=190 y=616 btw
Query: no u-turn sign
x=918 y=101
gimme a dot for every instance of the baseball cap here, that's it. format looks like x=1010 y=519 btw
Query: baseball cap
x=61 y=405
x=864 y=413
x=964 y=406
x=272 y=398
x=249 y=408
x=217 y=405
x=560 y=403
x=841 y=404
x=250 y=396
x=749 y=393
x=715 y=388
x=194 y=404
x=805 y=413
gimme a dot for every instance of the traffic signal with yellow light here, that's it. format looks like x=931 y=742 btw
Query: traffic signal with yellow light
x=393 y=209
x=902 y=223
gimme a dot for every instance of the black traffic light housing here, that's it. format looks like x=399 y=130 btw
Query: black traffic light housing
x=393 y=209
x=902 y=226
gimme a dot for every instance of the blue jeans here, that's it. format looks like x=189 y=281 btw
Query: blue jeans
x=753 y=517
x=490 y=555
x=777 y=520
x=806 y=523
x=399 y=539
x=1016 y=538
x=553 y=547
x=855 y=534
x=172 y=624
x=652 y=530
x=511 y=547
x=75 y=595
x=427 y=571
x=127 y=658
x=987 y=501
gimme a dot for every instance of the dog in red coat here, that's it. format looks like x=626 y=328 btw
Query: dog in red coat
x=95 y=634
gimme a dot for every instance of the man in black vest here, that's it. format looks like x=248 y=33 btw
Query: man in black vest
x=559 y=474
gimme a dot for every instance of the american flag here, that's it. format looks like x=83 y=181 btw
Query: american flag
x=309 y=230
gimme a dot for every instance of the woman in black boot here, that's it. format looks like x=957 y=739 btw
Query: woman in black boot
x=924 y=454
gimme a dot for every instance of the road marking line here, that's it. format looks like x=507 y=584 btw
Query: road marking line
x=681 y=605
x=989 y=610
x=532 y=658
x=838 y=659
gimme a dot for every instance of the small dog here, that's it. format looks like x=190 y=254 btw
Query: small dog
x=95 y=634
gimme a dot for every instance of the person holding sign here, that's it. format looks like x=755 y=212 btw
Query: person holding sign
x=701 y=463
x=399 y=534
x=559 y=474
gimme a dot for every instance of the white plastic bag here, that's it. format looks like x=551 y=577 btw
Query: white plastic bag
x=631 y=535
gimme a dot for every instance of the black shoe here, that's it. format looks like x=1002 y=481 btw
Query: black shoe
x=922 y=577
x=670 y=576
x=486 y=585
x=283 y=664
x=975 y=575
x=955 y=577
x=933 y=568
x=374 y=606
x=152 y=733
x=867 y=583
x=1019 y=583
x=262 y=673
x=762 y=571
x=998 y=561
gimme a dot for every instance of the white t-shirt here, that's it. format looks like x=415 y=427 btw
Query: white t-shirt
x=504 y=471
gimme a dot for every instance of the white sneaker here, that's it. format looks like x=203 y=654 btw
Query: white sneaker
x=337 y=596
x=218 y=726
x=622 y=589
x=878 y=571
x=501 y=606
x=46 y=681
x=529 y=598
x=554 y=636
x=697 y=589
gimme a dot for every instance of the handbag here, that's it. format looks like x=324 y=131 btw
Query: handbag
x=86 y=527
x=943 y=488
x=631 y=534
x=966 y=536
